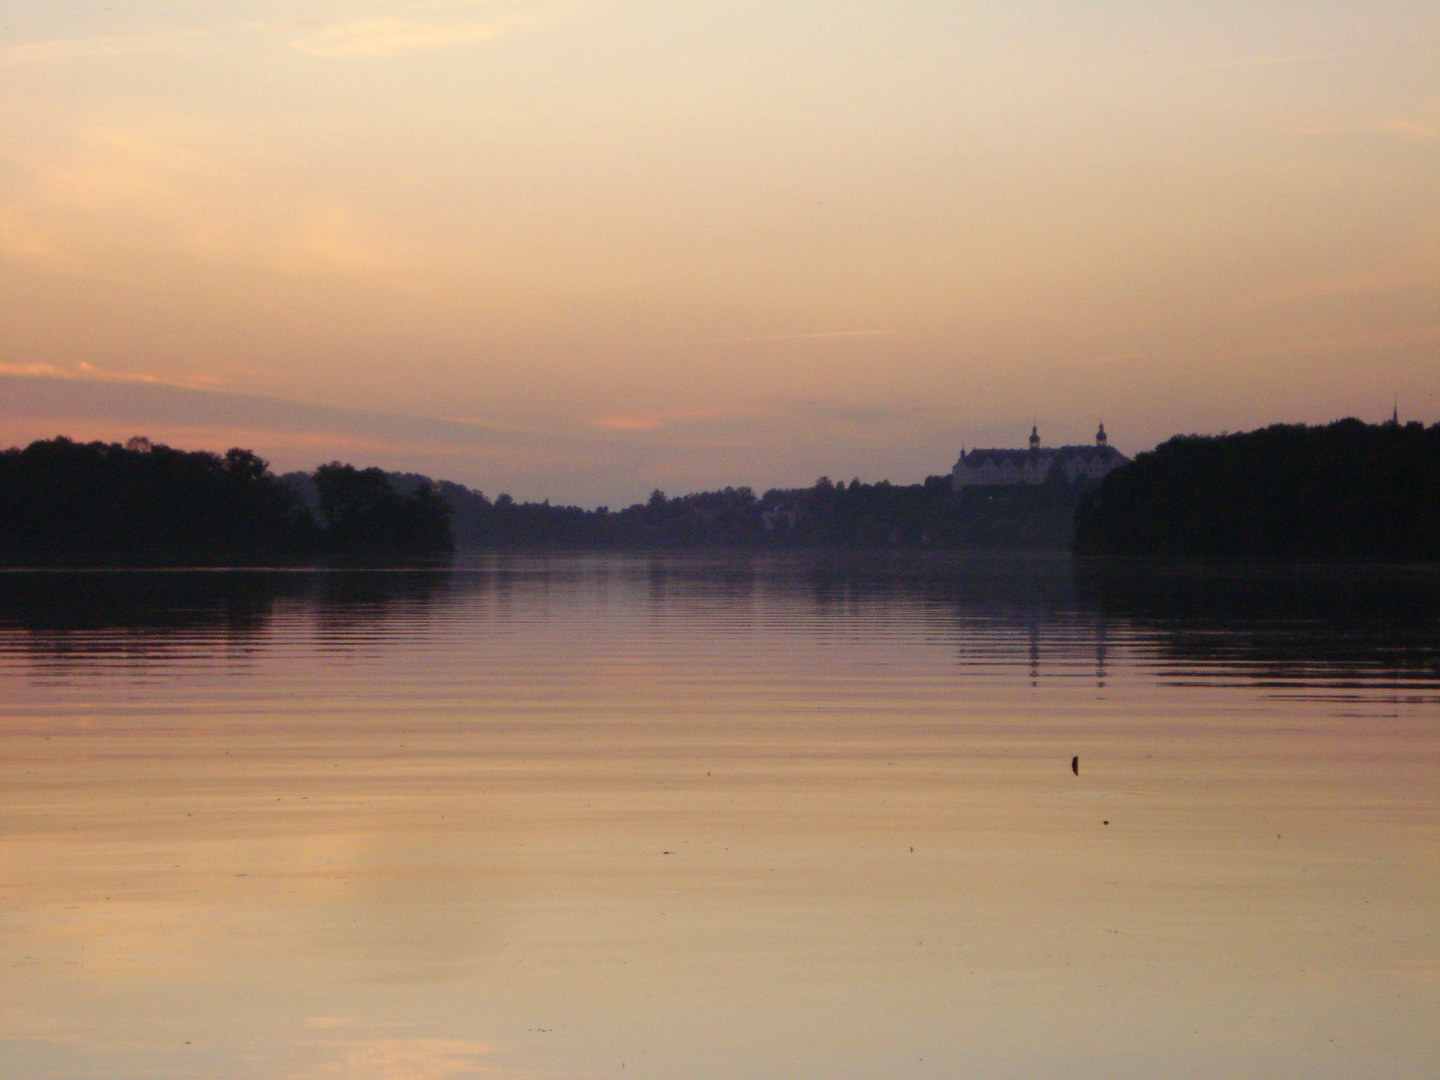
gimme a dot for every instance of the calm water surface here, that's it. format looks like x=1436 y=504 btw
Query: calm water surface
x=699 y=818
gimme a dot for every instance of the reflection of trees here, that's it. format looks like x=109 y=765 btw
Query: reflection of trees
x=57 y=614
x=62 y=619
x=353 y=603
x=1045 y=615
x=1276 y=623
x=841 y=580
x=997 y=582
x=59 y=602
x=353 y=591
x=1324 y=624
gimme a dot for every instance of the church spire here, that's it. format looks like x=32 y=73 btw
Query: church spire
x=1035 y=436
x=1101 y=439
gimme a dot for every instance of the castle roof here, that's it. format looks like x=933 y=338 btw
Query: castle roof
x=1019 y=459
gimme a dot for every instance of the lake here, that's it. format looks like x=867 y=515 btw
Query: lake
x=707 y=817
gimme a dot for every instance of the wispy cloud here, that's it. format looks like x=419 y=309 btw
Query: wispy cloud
x=91 y=373
x=1264 y=61
x=1325 y=288
x=402 y=1059
x=189 y=193
x=811 y=335
x=1400 y=335
x=854 y=415
x=1103 y=360
x=17 y=1022
x=1409 y=130
x=389 y=36
x=679 y=424
x=34 y=371
x=84 y=395
x=376 y=35
x=1406 y=129
x=49 y=52
x=332 y=237
x=651 y=421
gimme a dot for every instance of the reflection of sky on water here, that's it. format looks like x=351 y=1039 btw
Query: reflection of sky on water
x=715 y=817
x=1310 y=627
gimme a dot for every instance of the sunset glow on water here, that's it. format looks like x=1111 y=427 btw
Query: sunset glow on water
x=647 y=817
x=763 y=540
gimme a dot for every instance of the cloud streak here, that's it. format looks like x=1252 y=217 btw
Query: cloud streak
x=60 y=50
x=370 y=37
x=1242 y=62
x=84 y=371
x=72 y=208
x=388 y=36
x=815 y=335
x=42 y=402
x=638 y=421
x=1408 y=130
x=403 y=1059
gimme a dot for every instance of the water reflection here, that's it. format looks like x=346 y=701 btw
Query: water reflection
x=1045 y=615
x=50 y=604
x=62 y=620
x=1297 y=626
x=716 y=817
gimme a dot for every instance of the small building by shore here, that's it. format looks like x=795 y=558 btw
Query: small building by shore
x=1080 y=464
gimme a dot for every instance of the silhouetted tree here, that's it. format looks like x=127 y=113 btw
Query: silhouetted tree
x=364 y=514
x=63 y=501
x=1345 y=491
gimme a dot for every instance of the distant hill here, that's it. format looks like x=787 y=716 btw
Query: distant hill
x=1347 y=491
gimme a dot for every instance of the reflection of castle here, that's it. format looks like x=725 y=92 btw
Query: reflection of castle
x=1034 y=466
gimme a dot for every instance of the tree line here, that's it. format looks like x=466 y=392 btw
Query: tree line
x=145 y=503
x=1343 y=491
x=826 y=514
x=67 y=502
x=1346 y=491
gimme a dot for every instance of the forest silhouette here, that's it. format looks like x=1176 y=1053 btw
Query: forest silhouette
x=1347 y=491
x=143 y=503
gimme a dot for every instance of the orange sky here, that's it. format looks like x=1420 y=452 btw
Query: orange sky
x=581 y=250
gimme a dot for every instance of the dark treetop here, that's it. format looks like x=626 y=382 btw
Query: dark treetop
x=1347 y=491
x=825 y=515
x=63 y=502
x=99 y=503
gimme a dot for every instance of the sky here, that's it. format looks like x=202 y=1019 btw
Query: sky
x=581 y=250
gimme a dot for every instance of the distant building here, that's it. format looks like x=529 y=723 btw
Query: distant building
x=978 y=468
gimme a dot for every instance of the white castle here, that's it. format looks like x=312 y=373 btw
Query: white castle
x=1034 y=466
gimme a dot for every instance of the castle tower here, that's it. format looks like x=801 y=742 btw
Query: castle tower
x=1101 y=439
